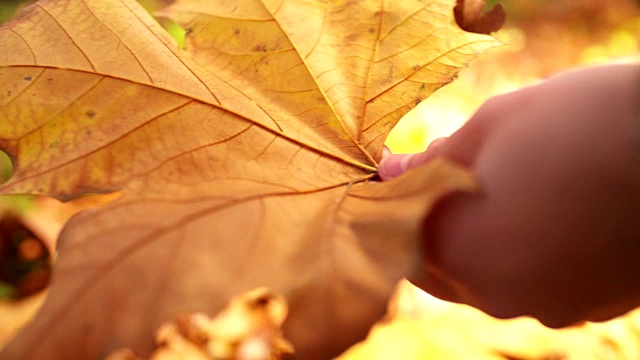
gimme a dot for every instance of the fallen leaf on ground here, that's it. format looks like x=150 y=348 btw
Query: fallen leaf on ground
x=249 y=328
x=245 y=160
x=33 y=224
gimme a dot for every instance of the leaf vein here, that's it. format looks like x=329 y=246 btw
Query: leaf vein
x=324 y=95
x=151 y=80
x=120 y=256
x=33 y=54
x=17 y=95
x=98 y=148
x=93 y=67
x=413 y=72
x=374 y=54
x=53 y=115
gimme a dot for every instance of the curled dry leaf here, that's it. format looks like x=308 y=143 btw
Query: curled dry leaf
x=124 y=354
x=29 y=227
x=16 y=314
x=249 y=328
x=470 y=16
x=25 y=262
x=244 y=160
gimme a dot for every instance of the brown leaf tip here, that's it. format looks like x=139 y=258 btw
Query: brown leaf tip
x=470 y=16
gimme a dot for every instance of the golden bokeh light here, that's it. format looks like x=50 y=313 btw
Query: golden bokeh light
x=540 y=40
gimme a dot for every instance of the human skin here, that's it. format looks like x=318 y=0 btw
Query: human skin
x=554 y=231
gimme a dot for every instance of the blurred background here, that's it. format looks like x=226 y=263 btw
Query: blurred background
x=541 y=38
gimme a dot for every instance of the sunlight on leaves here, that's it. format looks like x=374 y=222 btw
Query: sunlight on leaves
x=245 y=160
x=419 y=326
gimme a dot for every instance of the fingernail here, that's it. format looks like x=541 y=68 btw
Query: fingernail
x=394 y=165
x=404 y=162
x=386 y=152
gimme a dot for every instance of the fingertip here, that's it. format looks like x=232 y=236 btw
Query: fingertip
x=386 y=152
x=436 y=143
x=394 y=165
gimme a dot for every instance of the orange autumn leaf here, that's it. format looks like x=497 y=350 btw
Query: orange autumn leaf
x=245 y=160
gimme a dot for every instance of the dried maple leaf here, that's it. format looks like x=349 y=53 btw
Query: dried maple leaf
x=248 y=328
x=243 y=160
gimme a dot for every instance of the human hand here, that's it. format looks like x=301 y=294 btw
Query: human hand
x=555 y=231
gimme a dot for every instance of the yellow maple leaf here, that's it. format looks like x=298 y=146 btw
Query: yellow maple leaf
x=245 y=160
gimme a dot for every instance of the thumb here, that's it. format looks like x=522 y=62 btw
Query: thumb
x=394 y=165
